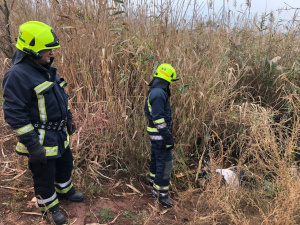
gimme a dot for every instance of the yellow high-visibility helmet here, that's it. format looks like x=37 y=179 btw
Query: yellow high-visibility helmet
x=35 y=36
x=167 y=72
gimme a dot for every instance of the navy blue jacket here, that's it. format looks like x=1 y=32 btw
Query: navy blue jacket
x=158 y=110
x=34 y=93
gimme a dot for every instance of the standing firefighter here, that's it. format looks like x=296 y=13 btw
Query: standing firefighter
x=158 y=112
x=36 y=107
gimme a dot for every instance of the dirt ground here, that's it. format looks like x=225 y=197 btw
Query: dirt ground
x=117 y=201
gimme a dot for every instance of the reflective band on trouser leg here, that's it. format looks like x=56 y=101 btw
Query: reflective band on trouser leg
x=48 y=203
x=63 y=188
x=24 y=130
x=161 y=188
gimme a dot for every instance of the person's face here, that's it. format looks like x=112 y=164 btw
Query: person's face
x=46 y=55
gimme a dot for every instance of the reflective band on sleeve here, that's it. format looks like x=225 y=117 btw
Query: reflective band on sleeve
x=40 y=88
x=63 y=185
x=24 y=130
x=161 y=126
x=47 y=200
x=21 y=148
x=156 y=137
x=62 y=84
x=152 y=175
x=159 y=188
x=159 y=121
x=149 y=106
x=151 y=129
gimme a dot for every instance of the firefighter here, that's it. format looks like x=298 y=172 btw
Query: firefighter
x=36 y=107
x=158 y=112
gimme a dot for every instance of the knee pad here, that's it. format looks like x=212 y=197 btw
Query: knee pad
x=168 y=170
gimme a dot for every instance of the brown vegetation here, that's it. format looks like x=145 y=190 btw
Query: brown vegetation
x=236 y=104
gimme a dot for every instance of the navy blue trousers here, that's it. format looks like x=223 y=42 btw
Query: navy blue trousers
x=161 y=165
x=52 y=180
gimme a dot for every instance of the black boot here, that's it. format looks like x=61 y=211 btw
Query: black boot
x=165 y=202
x=77 y=197
x=154 y=193
x=57 y=217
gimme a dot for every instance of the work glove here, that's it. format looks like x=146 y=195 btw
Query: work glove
x=169 y=147
x=71 y=127
x=37 y=153
x=170 y=144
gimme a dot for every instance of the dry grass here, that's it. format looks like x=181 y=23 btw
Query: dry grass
x=236 y=103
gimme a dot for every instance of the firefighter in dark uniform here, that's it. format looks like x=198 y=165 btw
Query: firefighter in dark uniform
x=36 y=107
x=158 y=112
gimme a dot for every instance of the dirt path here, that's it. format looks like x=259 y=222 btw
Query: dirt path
x=118 y=208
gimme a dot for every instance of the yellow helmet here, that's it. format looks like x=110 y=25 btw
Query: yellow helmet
x=167 y=72
x=35 y=36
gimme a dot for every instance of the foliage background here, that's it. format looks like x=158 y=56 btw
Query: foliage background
x=236 y=103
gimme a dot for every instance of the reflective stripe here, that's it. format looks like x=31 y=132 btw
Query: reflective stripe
x=51 y=151
x=49 y=206
x=149 y=106
x=151 y=129
x=63 y=185
x=38 y=89
x=155 y=137
x=41 y=136
x=62 y=84
x=164 y=73
x=161 y=126
x=152 y=175
x=45 y=201
x=159 y=188
x=21 y=148
x=24 y=130
x=68 y=107
x=159 y=121
x=63 y=191
x=67 y=142
x=42 y=108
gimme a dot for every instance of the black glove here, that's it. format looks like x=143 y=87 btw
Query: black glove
x=169 y=147
x=71 y=127
x=37 y=153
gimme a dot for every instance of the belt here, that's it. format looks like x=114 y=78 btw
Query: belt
x=50 y=125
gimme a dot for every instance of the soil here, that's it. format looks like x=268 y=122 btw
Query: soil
x=116 y=201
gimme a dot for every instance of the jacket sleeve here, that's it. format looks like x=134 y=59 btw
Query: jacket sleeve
x=17 y=100
x=158 y=103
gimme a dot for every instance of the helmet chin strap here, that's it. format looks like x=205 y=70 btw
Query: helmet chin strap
x=33 y=54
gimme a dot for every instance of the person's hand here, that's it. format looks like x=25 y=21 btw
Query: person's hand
x=37 y=153
x=71 y=127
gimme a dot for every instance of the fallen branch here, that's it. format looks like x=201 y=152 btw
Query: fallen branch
x=17 y=189
x=15 y=176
